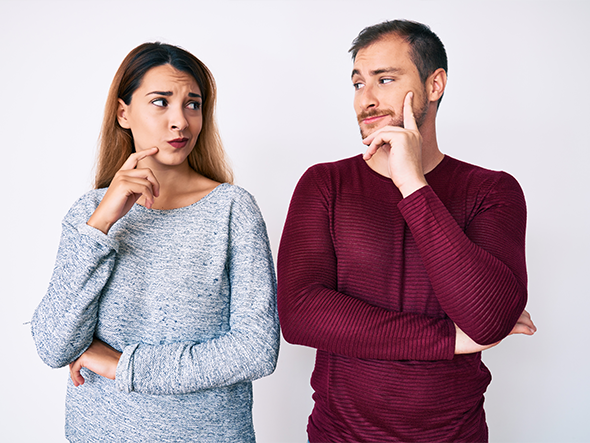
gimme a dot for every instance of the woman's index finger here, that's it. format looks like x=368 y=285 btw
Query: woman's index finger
x=135 y=158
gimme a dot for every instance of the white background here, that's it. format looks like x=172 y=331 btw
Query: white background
x=517 y=100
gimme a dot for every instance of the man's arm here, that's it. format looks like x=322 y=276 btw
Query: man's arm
x=312 y=311
x=478 y=276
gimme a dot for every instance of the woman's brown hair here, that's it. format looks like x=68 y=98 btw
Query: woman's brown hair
x=116 y=143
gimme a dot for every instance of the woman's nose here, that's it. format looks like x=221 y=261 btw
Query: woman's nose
x=178 y=121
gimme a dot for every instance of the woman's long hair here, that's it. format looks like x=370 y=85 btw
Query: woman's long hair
x=116 y=143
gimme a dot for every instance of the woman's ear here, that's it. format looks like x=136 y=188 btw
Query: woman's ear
x=122 y=115
x=436 y=84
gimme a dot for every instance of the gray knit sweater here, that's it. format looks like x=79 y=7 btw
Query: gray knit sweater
x=187 y=295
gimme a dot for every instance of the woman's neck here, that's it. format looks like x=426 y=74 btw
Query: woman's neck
x=180 y=186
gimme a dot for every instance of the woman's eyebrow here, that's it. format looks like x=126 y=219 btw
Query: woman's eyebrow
x=165 y=94
x=169 y=93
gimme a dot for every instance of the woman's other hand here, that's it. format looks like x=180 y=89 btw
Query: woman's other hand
x=100 y=358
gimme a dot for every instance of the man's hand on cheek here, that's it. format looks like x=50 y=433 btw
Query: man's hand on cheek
x=404 y=147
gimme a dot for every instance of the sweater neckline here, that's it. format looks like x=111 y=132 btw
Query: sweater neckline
x=438 y=167
x=199 y=202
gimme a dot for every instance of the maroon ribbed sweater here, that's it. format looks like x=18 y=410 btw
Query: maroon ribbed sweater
x=375 y=283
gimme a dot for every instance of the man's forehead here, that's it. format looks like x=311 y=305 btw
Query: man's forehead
x=390 y=53
x=385 y=48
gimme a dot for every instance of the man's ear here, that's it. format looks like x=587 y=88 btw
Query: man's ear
x=436 y=84
x=122 y=115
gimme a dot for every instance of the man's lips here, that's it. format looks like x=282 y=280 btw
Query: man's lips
x=373 y=119
x=178 y=142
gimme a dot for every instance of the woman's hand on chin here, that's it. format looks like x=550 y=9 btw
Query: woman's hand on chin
x=128 y=185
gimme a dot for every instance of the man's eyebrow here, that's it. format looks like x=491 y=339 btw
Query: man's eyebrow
x=169 y=94
x=386 y=71
x=379 y=71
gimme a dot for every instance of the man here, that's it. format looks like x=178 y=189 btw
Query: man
x=401 y=265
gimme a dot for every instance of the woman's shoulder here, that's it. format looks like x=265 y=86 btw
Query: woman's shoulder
x=241 y=205
x=83 y=208
x=232 y=194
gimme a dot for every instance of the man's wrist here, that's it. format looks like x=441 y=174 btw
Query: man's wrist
x=410 y=188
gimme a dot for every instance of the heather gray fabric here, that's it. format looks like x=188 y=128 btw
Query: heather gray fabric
x=188 y=295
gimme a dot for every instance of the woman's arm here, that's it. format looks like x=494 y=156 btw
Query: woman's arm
x=246 y=352
x=63 y=324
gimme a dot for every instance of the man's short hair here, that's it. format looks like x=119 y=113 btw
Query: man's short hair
x=426 y=50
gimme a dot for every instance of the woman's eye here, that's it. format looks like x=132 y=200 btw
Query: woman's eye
x=194 y=106
x=159 y=102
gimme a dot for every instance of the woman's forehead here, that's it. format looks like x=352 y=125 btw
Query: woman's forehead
x=169 y=77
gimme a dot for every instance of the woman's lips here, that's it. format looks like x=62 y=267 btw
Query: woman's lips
x=178 y=143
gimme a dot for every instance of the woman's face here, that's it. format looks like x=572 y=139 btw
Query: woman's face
x=165 y=111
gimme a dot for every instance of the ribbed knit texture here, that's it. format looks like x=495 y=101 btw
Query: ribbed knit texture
x=375 y=283
x=188 y=295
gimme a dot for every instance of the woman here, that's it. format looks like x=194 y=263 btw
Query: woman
x=162 y=300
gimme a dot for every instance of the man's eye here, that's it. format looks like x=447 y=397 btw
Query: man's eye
x=357 y=86
x=386 y=80
x=159 y=102
x=194 y=106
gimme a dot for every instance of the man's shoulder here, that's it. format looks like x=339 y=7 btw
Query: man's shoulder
x=336 y=166
x=463 y=166
x=458 y=172
x=336 y=176
x=465 y=169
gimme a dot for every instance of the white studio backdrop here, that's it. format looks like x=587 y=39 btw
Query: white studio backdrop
x=517 y=100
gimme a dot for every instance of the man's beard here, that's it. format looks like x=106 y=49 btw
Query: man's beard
x=395 y=119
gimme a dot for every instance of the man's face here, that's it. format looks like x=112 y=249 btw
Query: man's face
x=382 y=75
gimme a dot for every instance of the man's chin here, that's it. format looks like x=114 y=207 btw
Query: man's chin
x=365 y=132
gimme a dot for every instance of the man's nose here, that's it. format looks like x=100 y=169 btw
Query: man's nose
x=368 y=98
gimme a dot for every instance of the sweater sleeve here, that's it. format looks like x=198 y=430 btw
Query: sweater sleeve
x=64 y=322
x=312 y=311
x=478 y=276
x=246 y=352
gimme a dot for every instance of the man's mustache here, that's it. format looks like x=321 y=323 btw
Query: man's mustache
x=373 y=113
